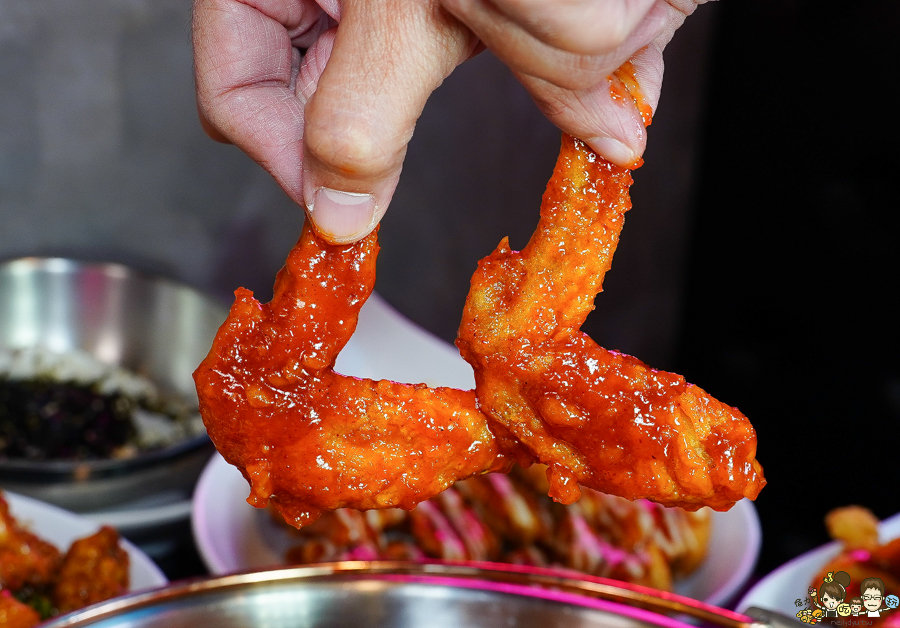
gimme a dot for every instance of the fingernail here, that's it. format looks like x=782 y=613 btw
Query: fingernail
x=614 y=150
x=342 y=216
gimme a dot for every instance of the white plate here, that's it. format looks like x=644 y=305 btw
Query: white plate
x=232 y=536
x=61 y=527
x=387 y=345
x=778 y=590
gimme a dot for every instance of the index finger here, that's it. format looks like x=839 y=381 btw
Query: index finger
x=245 y=71
x=580 y=26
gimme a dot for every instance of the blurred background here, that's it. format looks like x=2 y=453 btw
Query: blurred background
x=760 y=260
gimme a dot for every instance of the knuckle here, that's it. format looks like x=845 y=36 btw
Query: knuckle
x=351 y=149
x=592 y=39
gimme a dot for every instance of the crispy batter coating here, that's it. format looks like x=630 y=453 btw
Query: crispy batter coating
x=94 y=569
x=596 y=417
x=25 y=559
x=312 y=440
x=856 y=527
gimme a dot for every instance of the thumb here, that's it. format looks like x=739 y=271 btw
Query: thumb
x=388 y=56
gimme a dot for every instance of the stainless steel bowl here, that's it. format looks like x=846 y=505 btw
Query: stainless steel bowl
x=152 y=326
x=402 y=595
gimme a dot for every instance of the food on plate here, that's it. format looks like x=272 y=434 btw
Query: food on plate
x=854 y=526
x=510 y=518
x=311 y=440
x=94 y=569
x=35 y=572
x=872 y=569
x=25 y=558
x=72 y=406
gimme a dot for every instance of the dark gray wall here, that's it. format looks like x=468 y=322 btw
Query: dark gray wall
x=101 y=158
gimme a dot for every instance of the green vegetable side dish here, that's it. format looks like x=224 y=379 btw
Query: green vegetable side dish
x=58 y=406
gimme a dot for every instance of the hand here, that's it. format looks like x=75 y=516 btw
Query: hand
x=565 y=51
x=332 y=125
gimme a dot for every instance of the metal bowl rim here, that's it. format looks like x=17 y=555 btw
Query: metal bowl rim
x=40 y=471
x=461 y=574
x=118 y=269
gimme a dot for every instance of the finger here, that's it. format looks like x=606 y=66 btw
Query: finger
x=246 y=65
x=648 y=61
x=526 y=53
x=612 y=125
x=387 y=58
x=588 y=27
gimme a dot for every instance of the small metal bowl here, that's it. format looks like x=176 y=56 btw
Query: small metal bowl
x=151 y=326
x=403 y=595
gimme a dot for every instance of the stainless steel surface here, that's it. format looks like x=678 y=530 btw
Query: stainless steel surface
x=152 y=326
x=395 y=594
x=773 y=619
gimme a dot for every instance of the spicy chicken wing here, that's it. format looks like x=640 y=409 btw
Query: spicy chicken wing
x=597 y=418
x=312 y=440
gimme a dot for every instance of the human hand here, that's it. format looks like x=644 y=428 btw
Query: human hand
x=332 y=125
x=566 y=51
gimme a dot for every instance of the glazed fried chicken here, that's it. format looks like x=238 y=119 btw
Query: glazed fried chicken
x=25 y=559
x=94 y=569
x=597 y=418
x=311 y=440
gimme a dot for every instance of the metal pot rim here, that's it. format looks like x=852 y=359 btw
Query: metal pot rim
x=557 y=584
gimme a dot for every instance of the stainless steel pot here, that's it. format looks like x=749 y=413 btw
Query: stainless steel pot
x=401 y=595
x=150 y=325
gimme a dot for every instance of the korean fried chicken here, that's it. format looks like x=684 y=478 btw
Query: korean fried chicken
x=16 y=614
x=94 y=569
x=509 y=518
x=598 y=418
x=311 y=440
x=25 y=559
x=46 y=582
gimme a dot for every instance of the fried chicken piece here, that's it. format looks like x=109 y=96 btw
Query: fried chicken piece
x=312 y=440
x=481 y=542
x=16 y=614
x=25 y=559
x=513 y=512
x=582 y=548
x=856 y=527
x=94 y=569
x=595 y=417
x=680 y=537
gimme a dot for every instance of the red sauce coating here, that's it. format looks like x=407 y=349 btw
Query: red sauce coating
x=597 y=418
x=312 y=440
